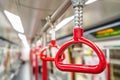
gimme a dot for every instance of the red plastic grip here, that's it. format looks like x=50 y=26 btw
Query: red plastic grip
x=52 y=44
x=44 y=57
x=78 y=39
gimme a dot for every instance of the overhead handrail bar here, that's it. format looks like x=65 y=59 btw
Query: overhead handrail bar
x=57 y=14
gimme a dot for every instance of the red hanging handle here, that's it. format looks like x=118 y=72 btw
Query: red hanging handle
x=52 y=44
x=78 y=39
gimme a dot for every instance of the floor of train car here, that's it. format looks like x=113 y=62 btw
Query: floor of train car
x=24 y=73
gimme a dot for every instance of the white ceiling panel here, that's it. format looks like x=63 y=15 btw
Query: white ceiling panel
x=34 y=12
x=3 y=21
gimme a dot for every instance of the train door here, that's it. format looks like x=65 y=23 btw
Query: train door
x=114 y=53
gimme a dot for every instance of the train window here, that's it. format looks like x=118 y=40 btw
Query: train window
x=116 y=72
x=114 y=54
x=1 y=56
x=108 y=32
x=115 y=65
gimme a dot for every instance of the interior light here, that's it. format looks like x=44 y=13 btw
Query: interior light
x=90 y=1
x=63 y=23
x=24 y=40
x=15 y=21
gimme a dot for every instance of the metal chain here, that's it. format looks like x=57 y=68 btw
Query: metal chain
x=78 y=17
x=78 y=12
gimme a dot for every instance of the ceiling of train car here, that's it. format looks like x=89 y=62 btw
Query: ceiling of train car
x=95 y=14
x=6 y=31
x=31 y=12
x=34 y=12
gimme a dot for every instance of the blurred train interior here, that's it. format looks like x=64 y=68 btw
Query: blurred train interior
x=39 y=40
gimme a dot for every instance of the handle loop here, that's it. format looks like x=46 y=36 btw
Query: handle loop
x=78 y=39
x=52 y=44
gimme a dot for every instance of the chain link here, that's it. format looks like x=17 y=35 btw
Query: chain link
x=78 y=17
x=78 y=12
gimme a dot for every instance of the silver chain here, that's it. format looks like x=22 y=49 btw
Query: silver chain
x=78 y=17
x=78 y=12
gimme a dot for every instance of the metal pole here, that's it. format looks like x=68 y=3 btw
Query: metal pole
x=108 y=64
x=36 y=67
x=44 y=72
x=57 y=14
x=44 y=63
